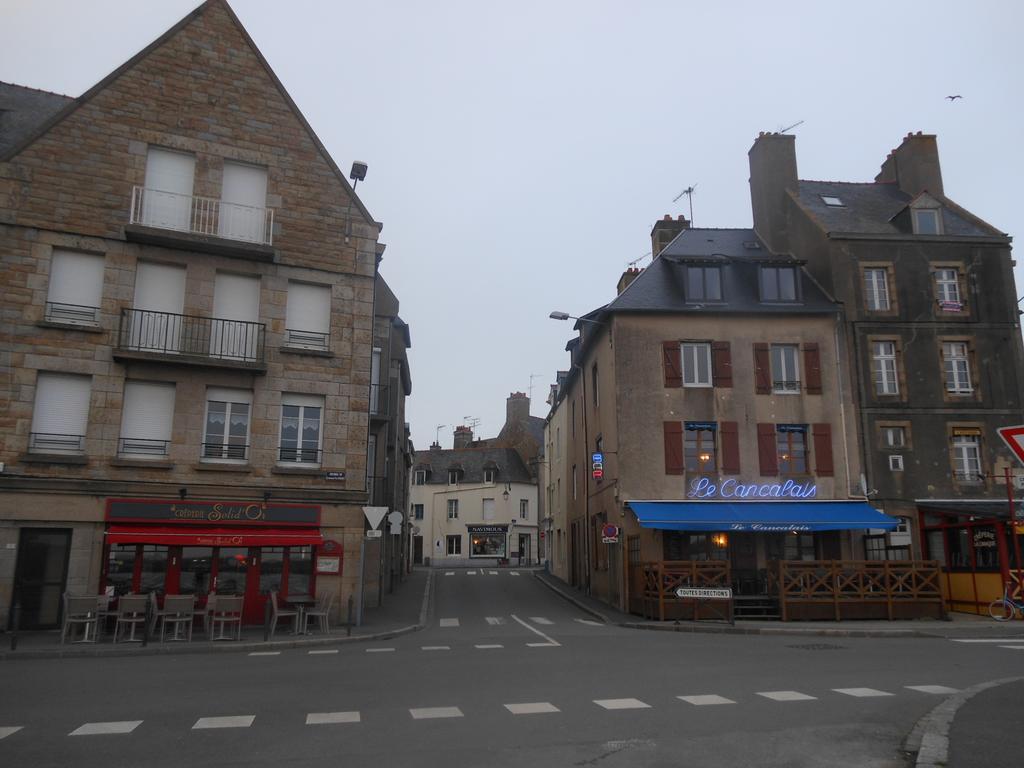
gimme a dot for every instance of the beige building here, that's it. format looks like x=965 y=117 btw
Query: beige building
x=188 y=288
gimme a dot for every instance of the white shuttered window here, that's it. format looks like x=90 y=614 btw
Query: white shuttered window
x=61 y=413
x=243 y=202
x=308 y=323
x=167 y=198
x=76 y=287
x=146 y=419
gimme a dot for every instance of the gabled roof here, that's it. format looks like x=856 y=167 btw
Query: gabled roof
x=23 y=110
x=472 y=462
x=870 y=208
x=73 y=104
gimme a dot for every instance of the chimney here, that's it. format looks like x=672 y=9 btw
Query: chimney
x=631 y=274
x=435 y=446
x=665 y=231
x=914 y=165
x=772 y=177
x=517 y=408
x=463 y=437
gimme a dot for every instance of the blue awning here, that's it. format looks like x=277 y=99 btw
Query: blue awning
x=763 y=516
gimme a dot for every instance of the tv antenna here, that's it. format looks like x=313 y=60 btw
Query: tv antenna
x=437 y=433
x=471 y=421
x=689 y=193
x=636 y=261
x=532 y=377
x=794 y=125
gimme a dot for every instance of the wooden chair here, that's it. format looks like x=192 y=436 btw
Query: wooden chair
x=80 y=611
x=321 y=612
x=276 y=613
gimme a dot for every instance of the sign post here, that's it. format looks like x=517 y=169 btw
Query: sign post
x=714 y=593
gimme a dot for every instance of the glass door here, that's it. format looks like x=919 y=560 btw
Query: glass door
x=40 y=576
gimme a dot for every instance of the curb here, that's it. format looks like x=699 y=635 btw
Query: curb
x=572 y=599
x=930 y=736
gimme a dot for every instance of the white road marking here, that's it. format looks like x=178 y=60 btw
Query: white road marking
x=432 y=713
x=786 y=696
x=488 y=647
x=7 y=730
x=435 y=647
x=329 y=718
x=236 y=721
x=471 y=573
x=513 y=573
x=97 y=729
x=493 y=573
x=535 y=631
x=932 y=689
x=706 y=700
x=379 y=650
x=543 y=645
x=987 y=639
x=449 y=573
x=861 y=693
x=495 y=621
x=265 y=653
x=589 y=622
x=621 y=704
x=541 y=620
x=314 y=653
x=534 y=708
x=449 y=622
x=1013 y=647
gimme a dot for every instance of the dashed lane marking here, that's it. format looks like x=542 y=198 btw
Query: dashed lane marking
x=986 y=639
x=1013 y=647
x=449 y=622
x=433 y=713
x=101 y=729
x=862 y=693
x=379 y=650
x=532 y=708
x=786 y=696
x=316 y=653
x=236 y=721
x=621 y=704
x=330 y=718
x=493 y=573
x=489 y=646
x=265 y=653
x=938 y=689
x=7 y=730
x=435 y=647
x=543 y=645
x=706 y=700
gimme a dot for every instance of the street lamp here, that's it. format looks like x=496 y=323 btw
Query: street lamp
x=556 y=315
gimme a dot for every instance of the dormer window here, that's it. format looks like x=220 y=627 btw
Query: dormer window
x=489 y=476
x=454 y=474
x=927 y=222
x=420 y=477
x=778 y=283
x=703 y=283
x=832 y=201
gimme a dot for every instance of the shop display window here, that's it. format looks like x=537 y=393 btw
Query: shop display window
x=300 y=570
x=154 y=569
x=487 y=545
x=195 y=577
x=271 y=569
x=232 y=564
x=121 y=568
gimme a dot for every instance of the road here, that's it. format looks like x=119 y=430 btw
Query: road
x=507 y=674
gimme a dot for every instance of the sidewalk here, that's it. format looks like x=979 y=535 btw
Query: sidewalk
x=403 y=611
x=958 y=625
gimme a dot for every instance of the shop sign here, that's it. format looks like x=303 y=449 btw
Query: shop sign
x=723 y=593
x=984 y=539
x=328 y=564
x=487 y=528
x=234 y=512
x=703 y=488
x=597 y=466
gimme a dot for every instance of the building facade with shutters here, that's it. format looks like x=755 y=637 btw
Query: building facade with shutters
x=188 y=286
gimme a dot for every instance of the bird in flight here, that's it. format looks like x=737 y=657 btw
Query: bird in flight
x=954 y=98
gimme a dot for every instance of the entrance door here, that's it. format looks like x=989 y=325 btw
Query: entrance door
x=417 y=550
x=40 y=577
x=238 y=574
x=524 y=549
x=743 y=552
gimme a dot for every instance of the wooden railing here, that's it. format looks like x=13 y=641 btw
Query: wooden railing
x=660 y=581
x=838 y=589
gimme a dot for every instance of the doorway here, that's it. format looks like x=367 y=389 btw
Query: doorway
x=417 y=550
x=524 y=549
x=40 y=576
x=743 y=552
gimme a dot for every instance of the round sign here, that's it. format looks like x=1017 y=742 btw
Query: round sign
x=610 y=531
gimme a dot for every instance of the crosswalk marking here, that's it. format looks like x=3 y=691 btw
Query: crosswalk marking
x=540 y=620
x=449 y=622
x=621 y=704
x=535 y=631
x=932 y=688
x=234 y=721
x=435 y=647
x=265 y=653
x=706 y=700
x=330 y=650
x=533 y=708
x=379 y=650
x=7 y=730
x=329 y=718
x=862 y=693
x=489 y=646
x=493 y=573
x=542 y=645
x=471 y=573
x=449 y=573
x=589 y=622
x=432 y=713
x=99 y=729
x=495 y=621
x=786 y=695
x=513 y=573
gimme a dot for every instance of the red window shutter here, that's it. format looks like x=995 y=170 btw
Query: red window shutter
x=674 y=448
x=767 y=452
x=673 y=363
x=812 y=368
x=721 y=363
x=822 y=449
x=762 y=370
x=730 y=437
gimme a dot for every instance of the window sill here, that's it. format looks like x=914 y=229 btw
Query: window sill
x=54 y=458
x=210 y=466
x=286 y=350
x=283 y=470
x=83 y=327
x=142 y=463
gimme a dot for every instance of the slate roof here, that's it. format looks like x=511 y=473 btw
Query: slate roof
x=660 y=287
x=23 y=111
x=472 y=462
x=869 y=208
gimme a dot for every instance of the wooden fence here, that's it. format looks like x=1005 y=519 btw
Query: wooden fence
x=660 y=581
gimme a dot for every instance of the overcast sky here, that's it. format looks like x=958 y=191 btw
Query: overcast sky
x=519 y=153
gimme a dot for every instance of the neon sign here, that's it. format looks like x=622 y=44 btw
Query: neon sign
x=703 y=488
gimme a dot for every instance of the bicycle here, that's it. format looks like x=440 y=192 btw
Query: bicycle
x=1006 y=607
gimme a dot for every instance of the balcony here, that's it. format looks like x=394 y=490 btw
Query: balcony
x=200 y=223
x=190 y=340
x=379 y=401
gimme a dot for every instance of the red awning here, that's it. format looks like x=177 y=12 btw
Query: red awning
x=209 y=536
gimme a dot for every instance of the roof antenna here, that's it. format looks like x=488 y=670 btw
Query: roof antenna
x=636 y=261
x=794 y=125
x=532 y=377
x=689 y=193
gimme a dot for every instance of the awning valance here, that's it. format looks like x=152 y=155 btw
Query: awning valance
x=211 y=536
x=763 y=516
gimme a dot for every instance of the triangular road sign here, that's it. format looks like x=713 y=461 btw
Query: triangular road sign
x=1014 y=439
x=374 y=515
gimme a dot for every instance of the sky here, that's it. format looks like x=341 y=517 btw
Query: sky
x=519 y=153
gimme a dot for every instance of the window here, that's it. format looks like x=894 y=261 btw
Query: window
x=454 y=544
x=420 y=477
x=791 y=443
x=308 y=316
x=947 y=290
x=926 y=222
x=226 y=435
x=453 y=477
x=487 y=545
x=798 y=546
x=76 y=287
x=159 y=300
x=236 y=312
x=167 y=198
x=883 y=361
x=489 y=476
x=301 y=419
x=593 y=386
x=377 y=399
x=696 y=364
x=699 y=446
x=574 y=482
x=894 y=437
x=874 y=547
x=417 y=511
x=832 y=201
x=488 y=509
x=956 y=368
x=60 y=414
x=146 y=420
x=967 y=458
x=896 y=462
x=453 y=509
x=785 y=369
x=243 y=202
x=703 y=283
x=524 y=509
x=778 y=284
x=876 y=289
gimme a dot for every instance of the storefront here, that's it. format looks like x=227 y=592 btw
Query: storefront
x=203 y=547
x=488 y=541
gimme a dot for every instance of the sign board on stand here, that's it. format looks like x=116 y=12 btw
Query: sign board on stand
x=725 y=593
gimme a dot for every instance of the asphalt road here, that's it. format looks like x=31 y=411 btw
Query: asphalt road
x=507 y=674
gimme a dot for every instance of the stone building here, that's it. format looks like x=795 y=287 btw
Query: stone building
x=188 y=300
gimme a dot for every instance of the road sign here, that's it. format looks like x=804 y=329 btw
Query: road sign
x=609 y=534
x=374 y=534
x=374 y=515
x=725 y=593
x=1014 y=439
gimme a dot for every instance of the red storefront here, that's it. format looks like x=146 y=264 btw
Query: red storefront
x=202 y=547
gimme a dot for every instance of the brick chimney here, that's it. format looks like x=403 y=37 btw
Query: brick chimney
x=463 y=437
x=665 y=231
x=517 y=408
x=631 y=274
x=772 y=178
x=914 y=165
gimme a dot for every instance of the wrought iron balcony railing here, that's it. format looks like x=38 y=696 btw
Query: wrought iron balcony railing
x=49 y=442
x=207 y=338
x=292 y=454
x=201 y=216
x=228 y=451
x=137 y=446
x=378 y=400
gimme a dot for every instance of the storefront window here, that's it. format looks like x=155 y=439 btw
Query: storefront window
x=271 y=569
x=196 y=567
x=300 y=571
x=487 y=545
x=232 y=563
x=936 y=547
x=154 y=569
x=959 y=549
x=986 y=552
x=121 y=568
x=798 y=546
